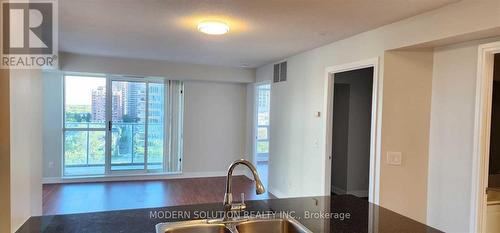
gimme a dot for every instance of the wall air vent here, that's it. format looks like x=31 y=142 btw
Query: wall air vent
x=276 y=73
x=279 y=72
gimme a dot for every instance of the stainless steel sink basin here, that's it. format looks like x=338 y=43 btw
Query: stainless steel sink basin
x=199 y=226
x=268 y=223
x=270 y=226
x=247 y=225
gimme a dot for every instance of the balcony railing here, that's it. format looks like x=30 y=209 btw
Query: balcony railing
x=85 y=149
x=262 y=143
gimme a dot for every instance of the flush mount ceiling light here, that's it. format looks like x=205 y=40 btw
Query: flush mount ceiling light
x=213 y=27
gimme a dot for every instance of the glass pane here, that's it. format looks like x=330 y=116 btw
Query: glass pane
x=97 y=142
x=263 y=118
x=85 y=102
x=128 y=109
x=156 y=111
x=84 y=152
x=262 y=133
x=263 y=107
x=263 y=147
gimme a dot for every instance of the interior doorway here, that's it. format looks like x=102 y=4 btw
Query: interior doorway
x=485 y=194
x=262 y=129
x=493 y=185
x=352 y=106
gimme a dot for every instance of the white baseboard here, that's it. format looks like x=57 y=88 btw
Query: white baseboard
x=277 y=193
x=357 y=193
x=51 y=180
x=151 y=176
x=338 y=190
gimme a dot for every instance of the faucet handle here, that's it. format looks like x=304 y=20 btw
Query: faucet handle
x=239 y=206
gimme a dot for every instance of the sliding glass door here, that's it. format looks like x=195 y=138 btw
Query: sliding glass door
x=128 y=125
x=137 y=125
x=115 y=125
x=84 y=125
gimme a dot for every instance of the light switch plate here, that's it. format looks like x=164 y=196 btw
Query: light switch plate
x=394 y=158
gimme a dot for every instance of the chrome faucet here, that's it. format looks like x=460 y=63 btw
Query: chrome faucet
x=228 y=197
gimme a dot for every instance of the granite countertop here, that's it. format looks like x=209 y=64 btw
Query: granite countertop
x=346 y=214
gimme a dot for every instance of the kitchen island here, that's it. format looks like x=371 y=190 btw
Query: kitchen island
x=343 y=213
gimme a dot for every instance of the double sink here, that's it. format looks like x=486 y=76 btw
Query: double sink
x=244 y=225
x=261 y=224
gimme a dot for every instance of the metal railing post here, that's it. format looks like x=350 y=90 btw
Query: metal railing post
x=132 y=143
x=88 y=142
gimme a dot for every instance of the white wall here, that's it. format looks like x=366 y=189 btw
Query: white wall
x=297 y=146
x=215 y=124
x=405 y=128
x=215 y=118
x=52 y=92
x=26 y=145
x=171 y=70
x=250 y=121
x=451 y=136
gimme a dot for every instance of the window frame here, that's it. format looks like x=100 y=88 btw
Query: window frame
x=167 y=125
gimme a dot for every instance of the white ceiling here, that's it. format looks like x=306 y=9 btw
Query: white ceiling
x=262 y=31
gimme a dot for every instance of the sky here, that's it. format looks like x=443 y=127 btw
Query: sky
x=78 y=89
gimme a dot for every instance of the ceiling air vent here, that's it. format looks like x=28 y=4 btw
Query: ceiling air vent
x=279 y=72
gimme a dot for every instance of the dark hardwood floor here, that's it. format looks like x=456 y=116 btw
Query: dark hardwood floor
x=119 y=195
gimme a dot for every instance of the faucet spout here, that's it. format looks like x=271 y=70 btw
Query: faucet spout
x=228 y=196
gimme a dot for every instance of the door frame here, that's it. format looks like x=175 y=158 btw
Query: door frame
x=255 y=119
x=482 y=127
x=376 y=122
x=109 y=109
